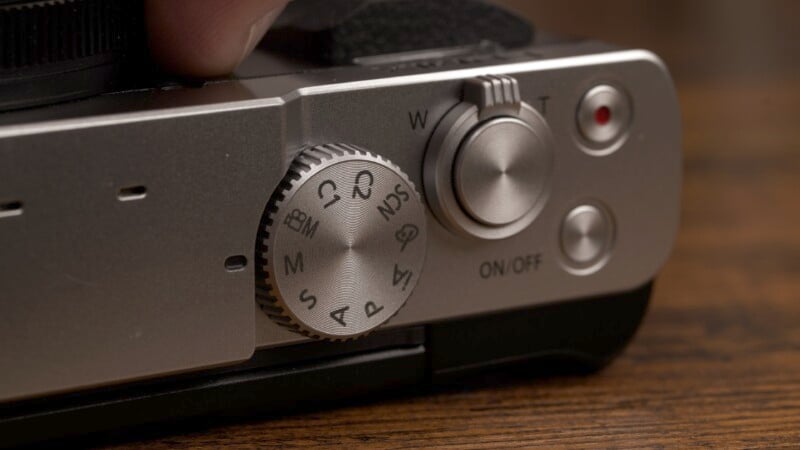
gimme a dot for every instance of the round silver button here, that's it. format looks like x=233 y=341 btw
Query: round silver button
x=587 y=235
x=500 y=171
x=603 y=114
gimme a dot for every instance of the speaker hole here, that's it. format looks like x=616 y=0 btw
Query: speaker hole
x=235 y=263
x=132 y=193
x=10 y=209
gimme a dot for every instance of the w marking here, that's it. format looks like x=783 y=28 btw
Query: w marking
x=418 y=119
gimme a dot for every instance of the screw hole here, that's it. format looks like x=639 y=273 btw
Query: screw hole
x=10 y=209
x=132 y=193
x=235 y=263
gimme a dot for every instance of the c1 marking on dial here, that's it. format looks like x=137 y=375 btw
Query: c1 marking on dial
x=393 y=202
x=332 y=187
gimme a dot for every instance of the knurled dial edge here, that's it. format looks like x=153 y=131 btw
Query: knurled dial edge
x=341 y=245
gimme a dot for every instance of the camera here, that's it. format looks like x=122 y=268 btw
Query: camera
x=362 y=215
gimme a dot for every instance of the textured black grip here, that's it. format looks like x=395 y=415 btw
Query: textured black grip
x=340 y=32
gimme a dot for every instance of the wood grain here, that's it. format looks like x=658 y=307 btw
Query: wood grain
x=717 y=360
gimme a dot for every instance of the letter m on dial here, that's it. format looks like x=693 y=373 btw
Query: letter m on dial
x=293 y=265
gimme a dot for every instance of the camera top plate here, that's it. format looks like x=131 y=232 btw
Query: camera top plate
x=131 y=203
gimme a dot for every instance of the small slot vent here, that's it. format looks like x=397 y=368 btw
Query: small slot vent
x=132 y=193
x=235 y=263
x=10 y=209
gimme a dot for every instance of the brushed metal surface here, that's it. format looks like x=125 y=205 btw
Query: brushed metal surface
x=587 y=237
x=440 y=166
x=345 y=245
x=94 y=288
x=95 y=291
x=500 y=171
x=602 y=132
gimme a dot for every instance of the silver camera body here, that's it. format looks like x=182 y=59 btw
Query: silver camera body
x=154 y=235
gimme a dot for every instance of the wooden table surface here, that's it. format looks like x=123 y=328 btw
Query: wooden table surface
x=717 y=359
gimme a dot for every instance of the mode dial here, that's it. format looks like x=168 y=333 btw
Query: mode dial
x=342 y=245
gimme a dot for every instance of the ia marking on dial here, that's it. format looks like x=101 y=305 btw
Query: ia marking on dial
x=344 y=245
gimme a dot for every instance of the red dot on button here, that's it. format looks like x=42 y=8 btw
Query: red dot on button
x=602 y=115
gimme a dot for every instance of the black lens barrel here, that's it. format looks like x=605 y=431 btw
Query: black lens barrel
x=57 y=50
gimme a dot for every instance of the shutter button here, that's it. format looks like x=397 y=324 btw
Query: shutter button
x=500 y=171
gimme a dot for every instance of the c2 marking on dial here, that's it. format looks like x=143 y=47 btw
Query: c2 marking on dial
x=293 y=266
x=365 y=178
x=370 y=308
x=299 y=221
x=401 y=276
x=338 y=315
x=321 y=192
x=393 y=202
x=306 y=297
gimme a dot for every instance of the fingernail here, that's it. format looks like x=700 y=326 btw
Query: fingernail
x=257 y=30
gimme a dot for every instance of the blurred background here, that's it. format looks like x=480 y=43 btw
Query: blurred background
x=701 y=40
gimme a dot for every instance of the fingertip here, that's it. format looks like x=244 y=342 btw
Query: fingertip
x=207 y=38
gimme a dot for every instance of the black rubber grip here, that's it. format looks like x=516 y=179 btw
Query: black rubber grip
x=341 y=32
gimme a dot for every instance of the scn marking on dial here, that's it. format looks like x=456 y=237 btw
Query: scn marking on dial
x=393 y=202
